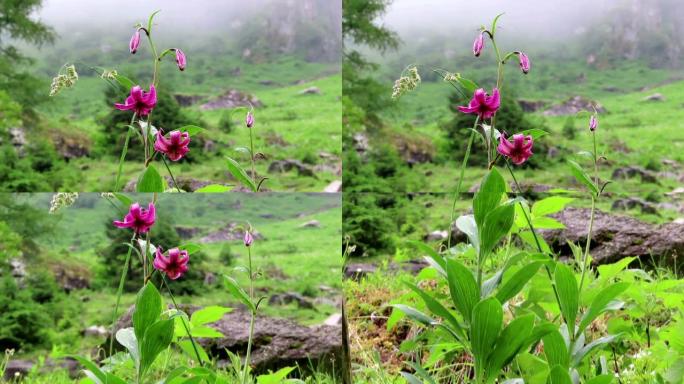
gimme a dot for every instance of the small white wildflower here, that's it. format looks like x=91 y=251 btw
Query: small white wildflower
x=107 y=195
x=61 y=200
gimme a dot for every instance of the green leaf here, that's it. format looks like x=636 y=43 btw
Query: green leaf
x=469 y=85
x=467 y=225
x=509 y=344
x=591 y=347
x=536 y=133
x=238 y=292
x=125 y=200
x=550 y=205
x=602 y=379
x=151 y=181
x=215 y=188
x=582 y=177
x=559 y=375
x=410 y=379
x=275 y=377
x=157 y=338
x=485 y=326
x=148 y=308
x=556 y=350
x=496 y=20
x=95 y=373
x=206 y=332
x=493 y=282
x=437 y=308
x=188 y=349
x=414 y=314
x=125 y=82
x=568 y=294
x=191 y=248
x=240 y=174
x=463 y=288
x=126 y=337
x=601 y=303
x=516 y=283
x=488 y=197
x=192 y=130
x=210 y=314
x=496 y=225
x=547 y=223
x=439 y=262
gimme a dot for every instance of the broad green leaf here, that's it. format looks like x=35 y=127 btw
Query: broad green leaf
x=496 y=225
x=463 y=288
x=600 y=303
x=494 y=23
x=484 y=329
x=124 y=82
x=556 y=350
x=148 y=308
x=157 y=338
x=414 y=314
x=192 y=130
x=536 y=133
x=607 y=271
x=547 y=223
x=238 y=293
x=410 y=379
x=538 y=333
x=206 y=332
x=493 y=282
x=439 y=262
x=125 y=200
x=591 y=347
x=210 y=314
x=126 y=337
x=509 y=344
x=550 y=205
x=467 y=225
x=240 y=174
x=178 y=372
x=675 y=372
x=275 y=377
x=602 y=379
x=188 y=349
x=190 y=247
x=214 y=188
x=516 y=283
x=151 y=181
x=437 y=308
x=95 y=373
x=568 y=294
x=469 y=85
x=582 y=177
x=488 y=197
x=559 y=375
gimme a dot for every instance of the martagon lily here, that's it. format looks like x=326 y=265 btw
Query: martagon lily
x=139 y=101
x=482 y=104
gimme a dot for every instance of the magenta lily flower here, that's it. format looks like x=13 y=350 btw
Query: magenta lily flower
x=249 y=120
x=139 y=219
x=478 y=44
x=175 y=147
x=174 y=265
x=519 y=150
x=482 y=104
x=135 y=42
x=524 y=62
x=249 y=239
x=139 y=101
x=593 y=123
x=180 y=59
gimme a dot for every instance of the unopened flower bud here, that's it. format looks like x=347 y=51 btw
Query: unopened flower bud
x=478 y=44
x=135 y=42
x=249 y=120
x=593 y=123
x=180 y=59
x=249 y=239
x=524 y=62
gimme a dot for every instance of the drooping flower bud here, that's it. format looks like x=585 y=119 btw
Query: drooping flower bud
x=135 y=41
x=249 y=239
x=478 y=44
x=524 y=62
x=180 y=59
x=249 y=120
x=593 y=123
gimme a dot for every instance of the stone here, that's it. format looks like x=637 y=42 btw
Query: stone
x=633 y=171
x=310 y=91
x=335 y=186
x=574 y=105
x=277 y=342
x=361 y=143
x=187 y=100
x=16 y=369
x=290 y=297
x=531 y=106
x=232 y=99
x=616 y=237
x=436 y=236
x=654 y=97
x=311 y=224
x=628 y=203
x=357 y=271
x=334 y=319
x=280 y=166
x=96 y=331
x=230 y=232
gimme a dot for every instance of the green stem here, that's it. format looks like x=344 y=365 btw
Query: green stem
x=586 y=248
x=123 y=154
x=457 y=193
x=119 y=292
x=251 y=322
x=185 y=325
x=499 y=85
x=251 y=152
x=175 y=184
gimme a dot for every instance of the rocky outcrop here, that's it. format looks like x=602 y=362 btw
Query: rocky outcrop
x=615 y=237
x=574 y=105
x=633 y=171
x=286 y=165
x=17 y=369
x=531 y=106
x=187 y=100
x=230 y=232
x=232 y=99
x=310 y=91
x=278 y=342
